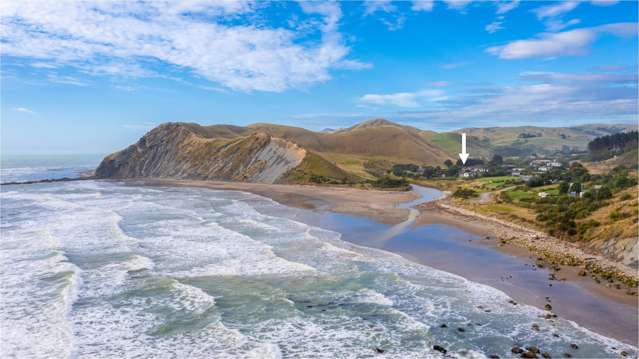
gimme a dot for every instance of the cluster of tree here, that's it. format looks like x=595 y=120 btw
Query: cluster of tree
x=494 y=167
x=389 y=182
x=315 y=178
x=560 y=213
x=575 y=173
x=528 y=135
x=605 y=147
x=465 y=193
x=409 y=169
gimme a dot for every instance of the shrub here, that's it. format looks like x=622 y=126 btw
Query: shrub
x=604 y=193
x=465 y=193
x=626 y=196
x=584 y=227
x=617 y=215
x=388 y=182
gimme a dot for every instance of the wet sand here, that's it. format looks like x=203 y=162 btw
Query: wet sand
x=458 y=251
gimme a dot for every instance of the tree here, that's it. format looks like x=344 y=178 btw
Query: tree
x=535 y=182
x=448 y=163
x=602 y=148
x=604 y=193
x=497 y=160
x=576 y=187
x=564 y=187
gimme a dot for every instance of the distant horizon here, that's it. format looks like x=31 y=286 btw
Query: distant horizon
x=90 y=77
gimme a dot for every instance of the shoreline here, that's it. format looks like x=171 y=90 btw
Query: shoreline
x=372 y=203
x=549 y=250
x=380 y=206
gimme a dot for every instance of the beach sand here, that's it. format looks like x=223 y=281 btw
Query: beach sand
x=453 y=241
x=376 y=204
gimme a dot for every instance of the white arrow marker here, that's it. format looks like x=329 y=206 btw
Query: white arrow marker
x=463 y=155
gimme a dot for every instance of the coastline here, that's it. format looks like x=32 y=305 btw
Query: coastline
x=376 y=204
x=548 y=250
x=380 y=206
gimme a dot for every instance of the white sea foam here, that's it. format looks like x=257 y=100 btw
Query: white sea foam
x=373 y=297
x=193 y=298
x=265 y=351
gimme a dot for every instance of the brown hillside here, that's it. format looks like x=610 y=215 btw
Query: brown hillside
x=375 y=138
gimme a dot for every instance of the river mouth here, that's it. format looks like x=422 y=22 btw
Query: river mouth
x=426 y=194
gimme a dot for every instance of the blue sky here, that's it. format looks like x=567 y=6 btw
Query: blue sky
x=92 y=78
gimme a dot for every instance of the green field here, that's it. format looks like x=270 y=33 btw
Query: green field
x=520 y=195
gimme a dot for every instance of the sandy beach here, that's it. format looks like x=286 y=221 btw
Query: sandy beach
x=376 y=204
x=501 y=245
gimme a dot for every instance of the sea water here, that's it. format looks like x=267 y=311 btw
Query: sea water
x=24 y=168
x=94 y=269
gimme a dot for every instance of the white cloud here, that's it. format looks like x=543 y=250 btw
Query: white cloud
x=404 y=99
x=353 y=65
x=577 y=79
x=391 y=17
x=544 y=97
x=457 y=4
x=422 y=5
x=66 y=80
x=502 y=8
x=117 y=38
x=24 y=110
x=506 y=6
x=558 y=25
x=552 y=13
x=555 y=9
x=573 y=42
x=494 y=26
x=372 y=6
x=43 y=65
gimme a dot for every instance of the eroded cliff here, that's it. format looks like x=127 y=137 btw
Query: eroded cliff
x=177 y=150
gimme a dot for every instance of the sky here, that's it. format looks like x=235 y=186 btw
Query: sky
x=93 y=77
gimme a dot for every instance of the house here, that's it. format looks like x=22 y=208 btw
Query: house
x=542 y=194
x=473 y=171
x=547 y=164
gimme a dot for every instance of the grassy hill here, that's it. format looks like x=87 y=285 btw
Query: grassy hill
x=524 y=140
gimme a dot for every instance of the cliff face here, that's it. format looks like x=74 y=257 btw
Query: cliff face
x=182 y=151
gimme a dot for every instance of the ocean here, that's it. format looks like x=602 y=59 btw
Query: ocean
x=97 y=269
x=24 y=168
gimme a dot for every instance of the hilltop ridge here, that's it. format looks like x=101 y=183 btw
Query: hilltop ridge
x=273 y=153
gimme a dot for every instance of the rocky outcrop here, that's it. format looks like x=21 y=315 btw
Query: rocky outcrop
x=622 y=250
x=187 y=151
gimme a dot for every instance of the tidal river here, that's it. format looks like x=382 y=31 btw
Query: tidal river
x=103 y=270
